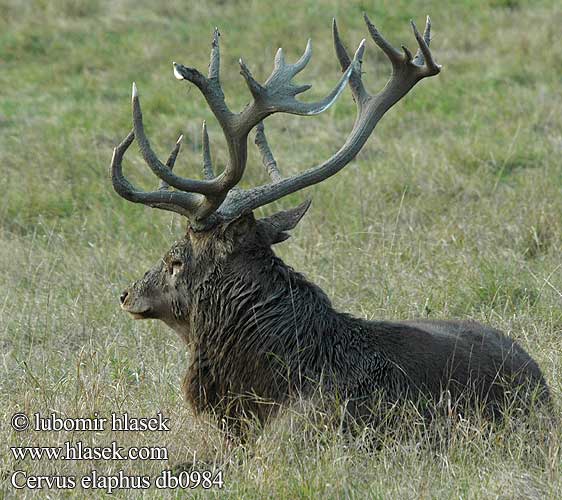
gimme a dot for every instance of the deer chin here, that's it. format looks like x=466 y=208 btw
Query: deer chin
x=139 y=314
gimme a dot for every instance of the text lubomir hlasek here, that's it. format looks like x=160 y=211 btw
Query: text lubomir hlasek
x=116 y=422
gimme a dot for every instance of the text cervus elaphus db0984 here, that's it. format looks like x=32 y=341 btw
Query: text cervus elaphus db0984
x=258 y=332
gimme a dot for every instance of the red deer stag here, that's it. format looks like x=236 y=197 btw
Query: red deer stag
x=258 y=332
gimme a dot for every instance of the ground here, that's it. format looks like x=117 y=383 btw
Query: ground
x=452 y=210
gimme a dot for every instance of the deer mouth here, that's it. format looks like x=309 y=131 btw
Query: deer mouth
x=137 y=314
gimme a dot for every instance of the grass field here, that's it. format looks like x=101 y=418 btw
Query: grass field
x=453 y=209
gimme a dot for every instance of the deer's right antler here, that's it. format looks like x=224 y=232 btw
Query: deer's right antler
x=406 y=72
x=217 y=197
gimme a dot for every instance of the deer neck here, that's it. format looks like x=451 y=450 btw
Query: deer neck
x=262 y=302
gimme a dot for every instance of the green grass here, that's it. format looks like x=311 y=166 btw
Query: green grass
x=453 y=209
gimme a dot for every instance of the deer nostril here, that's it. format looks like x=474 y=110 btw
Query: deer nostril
x=124 y=296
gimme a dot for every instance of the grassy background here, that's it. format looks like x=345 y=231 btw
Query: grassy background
x=453 y=209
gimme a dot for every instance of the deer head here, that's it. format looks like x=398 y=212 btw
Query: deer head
x=222 y=229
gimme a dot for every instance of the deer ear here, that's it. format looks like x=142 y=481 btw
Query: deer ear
x=275 y=225
x=240 y=226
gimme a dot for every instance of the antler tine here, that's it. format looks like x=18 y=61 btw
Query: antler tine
x=279 y=64
x=355 y=83
x=419 y=58
x=279 y=60
x=214 y=63
x=207 y=163
x=341 y=51
x=171 y=161
x=423 y=54
x=267 y=157
x=407 y=71
x=394 y=55
x=255 y=88
x=297 y=67
x=210 y=86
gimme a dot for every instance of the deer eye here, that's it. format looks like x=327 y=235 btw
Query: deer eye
x=176 y=267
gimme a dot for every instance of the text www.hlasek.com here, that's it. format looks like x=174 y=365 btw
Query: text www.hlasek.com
x=80 y=451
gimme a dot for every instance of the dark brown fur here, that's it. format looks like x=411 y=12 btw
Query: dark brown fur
x=260 y=333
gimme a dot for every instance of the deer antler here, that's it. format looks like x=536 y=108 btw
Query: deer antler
x=200 y=199
x=214 y=198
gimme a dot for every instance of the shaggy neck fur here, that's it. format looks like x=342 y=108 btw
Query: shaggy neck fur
x=259 y=329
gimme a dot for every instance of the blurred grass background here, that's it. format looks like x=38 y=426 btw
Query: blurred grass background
x=452 y=209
